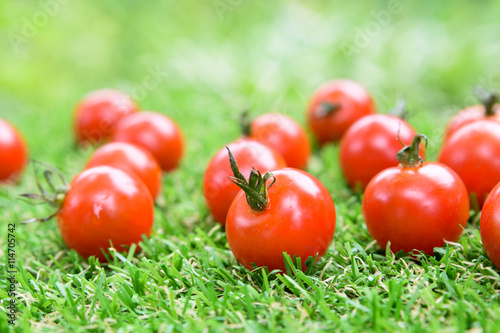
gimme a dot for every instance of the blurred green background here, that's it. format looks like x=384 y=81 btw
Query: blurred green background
x=201 y=62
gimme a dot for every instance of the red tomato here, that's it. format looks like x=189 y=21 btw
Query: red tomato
x=488 y=110
x=415 y=206
x=98 y=112
x=490 y=226
x=285 y=135
x=105 y=204
x=129 y=158
x=298 y=218
x=13 y=153
x=370 y=145
x=218 y=189
x=155 y=132
x=473 y=152
x=335 y=106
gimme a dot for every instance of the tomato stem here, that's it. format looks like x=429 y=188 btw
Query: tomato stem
x=326 y=108
x=409 y=156
x=54 y=196
x=255 y=189
x=400 y=110
x=245 y=122
x=488 y=99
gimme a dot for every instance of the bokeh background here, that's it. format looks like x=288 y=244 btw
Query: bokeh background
x=202 y=62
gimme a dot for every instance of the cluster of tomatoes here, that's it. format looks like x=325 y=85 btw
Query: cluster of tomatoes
x=256 y=186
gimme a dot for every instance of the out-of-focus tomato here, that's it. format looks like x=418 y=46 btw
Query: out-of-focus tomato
x=370 y=145
x=98 y=112
x=129 y=158
x=13 y=153
x=335 y=106
x=154 y=132
x=473 y=152
x=284 y=135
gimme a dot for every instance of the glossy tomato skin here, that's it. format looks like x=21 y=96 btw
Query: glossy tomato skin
x=98 y=112
x=155 y=132
x=104 y=204
x=490 y=226
x=300 y=220
x=130 y=158
x=13 y=153
x=473 y=152
x=354 y=100
x=416 y=207
x=218 y=190
x=285 y=135
x=370 y=145
x=470 y=115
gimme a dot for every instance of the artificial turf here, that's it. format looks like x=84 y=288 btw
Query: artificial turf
x=202 y=63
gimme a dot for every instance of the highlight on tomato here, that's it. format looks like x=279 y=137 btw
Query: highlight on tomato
x=218 y=190
x=283 y=211
x=370 y=145
x=96 y=115
x=13 y=153
x=129 y=158
x=335 y=106
x=283 y=134
x=490 y=226
x=417 y=205
x=101 y=206
x=489 y=109
x=473 y=152
x=155 y=132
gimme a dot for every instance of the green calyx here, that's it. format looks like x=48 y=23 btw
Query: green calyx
x=326 y=108
x=488 y=99
x=52 y=190
x=409 y=156
x=255 y=189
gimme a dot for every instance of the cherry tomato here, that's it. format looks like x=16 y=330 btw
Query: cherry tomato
x=13 y=153
x=129 y=158
x=489 y=110
x=98 y=112
x=417 y=205
x=285 y=135
x=335 y=106
x=473 y=152
x=218 y=190
x=490 y=226
x=370 y=145
x=105 y=204
x=295 y=215
x=155 y=132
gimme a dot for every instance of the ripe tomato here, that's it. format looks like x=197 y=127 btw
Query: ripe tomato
x=335 y=106
x=155 y=132
x=13 y=153
x=129 y=158
x=98 y=112
x=473 y=152
x=489 y=110
x=105 y=204
x=295 y=214
x=370 y=145
x=490 y=226
x=218 y=190
x=417 y=205
x=285 y=135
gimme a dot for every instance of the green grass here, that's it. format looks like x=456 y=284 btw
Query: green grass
x=211 y=62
